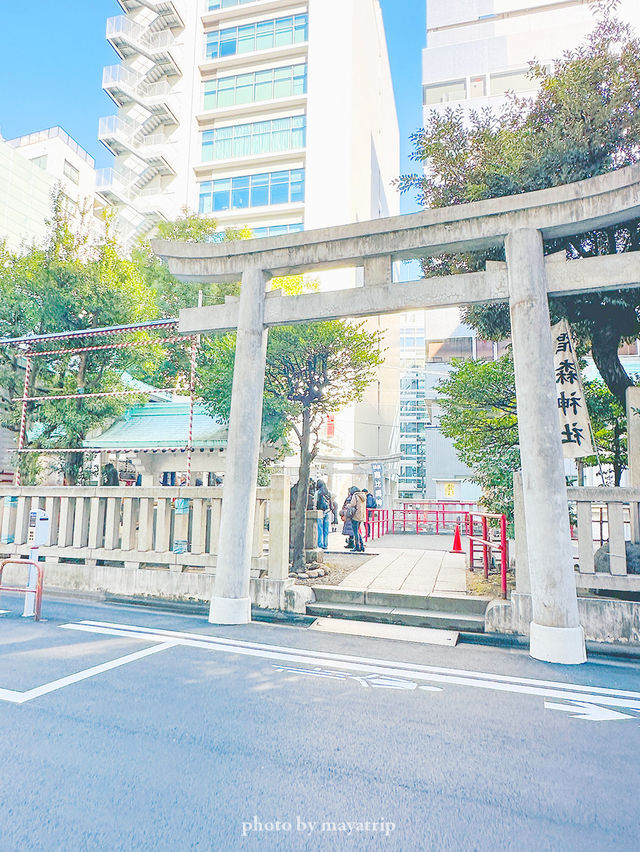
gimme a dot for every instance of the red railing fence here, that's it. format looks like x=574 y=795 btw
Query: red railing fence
x=487 y=545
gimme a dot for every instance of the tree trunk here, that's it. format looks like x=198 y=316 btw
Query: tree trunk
x=299 y=519
x=605 y=342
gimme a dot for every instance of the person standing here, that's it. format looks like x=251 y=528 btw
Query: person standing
x=323 y=504
x=346 y=514
x=358 y=506
x=371 y=504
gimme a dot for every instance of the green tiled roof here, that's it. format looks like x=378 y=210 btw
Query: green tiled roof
x=162 y=424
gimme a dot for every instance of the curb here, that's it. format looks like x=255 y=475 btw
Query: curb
x=518 y=640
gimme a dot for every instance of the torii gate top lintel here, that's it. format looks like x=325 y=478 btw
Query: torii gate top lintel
x=556 y=212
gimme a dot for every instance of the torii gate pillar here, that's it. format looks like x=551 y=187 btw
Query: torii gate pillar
x=230 y=602
x=556 y=634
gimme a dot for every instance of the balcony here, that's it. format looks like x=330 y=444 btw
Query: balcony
x=125 y=87
x=114 y=185
x=130 y=39
x=168 y=15
x=123 y=136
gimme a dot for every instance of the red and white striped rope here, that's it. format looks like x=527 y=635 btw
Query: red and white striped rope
x=52 y=450
x=126 y=345
x=30 y=339
x=23 y=418
x=90 y=395
x=192 y=387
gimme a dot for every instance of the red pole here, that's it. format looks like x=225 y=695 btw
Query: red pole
x=503 y=554
x=470 y=541
x=485 y=548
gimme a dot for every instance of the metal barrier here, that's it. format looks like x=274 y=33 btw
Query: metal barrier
x=417 y=519
x=26 y=589
x=488 y=545
x=377 y=524
x=461 y=508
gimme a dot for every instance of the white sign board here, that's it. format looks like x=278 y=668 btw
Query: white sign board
x=575 y=427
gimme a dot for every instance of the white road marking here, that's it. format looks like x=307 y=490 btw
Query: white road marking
x=5 y=611
x=590 y=712
x=480 y=680
x=21 y=697
x=364 y=680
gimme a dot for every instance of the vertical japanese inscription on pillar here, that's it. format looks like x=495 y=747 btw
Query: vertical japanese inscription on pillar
x=575 y=427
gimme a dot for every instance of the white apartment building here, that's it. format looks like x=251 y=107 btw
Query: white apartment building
x=276 y=114
x=31 y=167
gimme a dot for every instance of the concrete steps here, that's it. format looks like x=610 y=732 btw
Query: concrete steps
x=447 y=612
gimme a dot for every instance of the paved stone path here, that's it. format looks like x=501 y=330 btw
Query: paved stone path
x=413 y=564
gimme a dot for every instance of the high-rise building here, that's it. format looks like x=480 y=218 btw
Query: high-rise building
x=276 y=114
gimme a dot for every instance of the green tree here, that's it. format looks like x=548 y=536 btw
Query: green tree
x=584 y=121
x=70 y=283
x=478 y=400
x=312 y=370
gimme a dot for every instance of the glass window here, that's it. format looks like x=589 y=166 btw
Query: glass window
x=40 y=162
x=228 y=42
x=512 y=81
x=207 y=145
x=279 y=188
x=439 y=93
x=239 y=193
x=212 y=50
x=259 y=86
x=259 y=137
x=297 y=185
x=264 y=35
x=221 y=194
x=259 y=190
x=206 y=190
x=71 y=172
x=246 y=39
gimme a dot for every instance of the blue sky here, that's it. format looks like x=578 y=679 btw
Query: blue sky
x=52 y=72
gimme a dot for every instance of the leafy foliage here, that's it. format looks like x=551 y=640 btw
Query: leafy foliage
x=71 y=283
x=584 y=121
x=480 y=415
x=312 y=370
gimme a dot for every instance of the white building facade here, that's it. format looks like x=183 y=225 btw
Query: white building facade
x=478 y=50
x=31 y=167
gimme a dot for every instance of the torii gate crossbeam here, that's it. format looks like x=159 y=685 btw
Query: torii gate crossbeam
x=517 y=222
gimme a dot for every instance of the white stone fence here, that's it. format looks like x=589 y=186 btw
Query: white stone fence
x=606 y=515
x=159 y=541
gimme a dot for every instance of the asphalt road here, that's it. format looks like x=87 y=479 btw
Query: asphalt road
x=124 y=731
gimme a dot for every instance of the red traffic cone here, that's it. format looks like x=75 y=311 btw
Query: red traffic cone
x=457 y=541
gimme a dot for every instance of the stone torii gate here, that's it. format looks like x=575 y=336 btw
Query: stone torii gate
x=526 y=281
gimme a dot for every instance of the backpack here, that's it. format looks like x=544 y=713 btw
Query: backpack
x=371 y=502
x=323 y=502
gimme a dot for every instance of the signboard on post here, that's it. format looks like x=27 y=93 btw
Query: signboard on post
x=378 y=483
x=575 y=426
